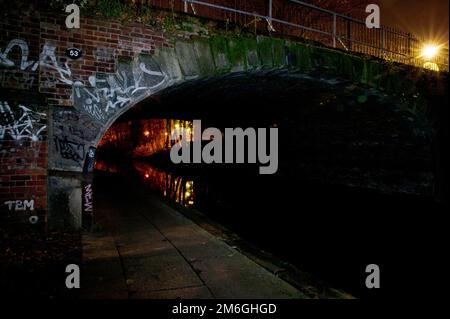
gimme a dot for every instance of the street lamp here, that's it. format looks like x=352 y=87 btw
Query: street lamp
x=430 y=51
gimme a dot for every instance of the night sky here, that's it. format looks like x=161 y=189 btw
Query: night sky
x=427 y=19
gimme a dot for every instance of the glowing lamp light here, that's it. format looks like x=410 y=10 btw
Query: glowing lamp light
x=147 y=133
x=429 y=51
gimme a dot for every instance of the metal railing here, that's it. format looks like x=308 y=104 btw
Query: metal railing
x=300 y=19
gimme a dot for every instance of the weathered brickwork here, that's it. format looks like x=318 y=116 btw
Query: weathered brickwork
x=37 y=77
x=54 y=110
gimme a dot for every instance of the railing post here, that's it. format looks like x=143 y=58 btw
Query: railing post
x=383 y=41
x=270 y=10
x=409 y=44
x=349 y=34
x=334 y=29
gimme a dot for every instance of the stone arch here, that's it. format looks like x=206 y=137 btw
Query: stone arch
x=74 y=134
x=107 y=96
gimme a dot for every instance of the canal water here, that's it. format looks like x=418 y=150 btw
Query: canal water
x=332 y=232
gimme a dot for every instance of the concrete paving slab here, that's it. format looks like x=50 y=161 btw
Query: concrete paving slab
x=153 y=251
x=102 y=274
x=168 y=271
x=182 y=293
x=237 y=277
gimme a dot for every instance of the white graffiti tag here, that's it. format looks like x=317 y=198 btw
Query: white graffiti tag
x=88 y=204
x=23 y=125
x=24 y=64
x=116 y=90
x=48 y=60
x=20 y=205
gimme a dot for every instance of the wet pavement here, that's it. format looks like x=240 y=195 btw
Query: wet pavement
x=149 y=250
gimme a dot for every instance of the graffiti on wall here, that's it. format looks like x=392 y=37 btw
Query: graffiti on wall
x=96 y=102
x=72 y=133
x=68 y=149
x=48 y=60
x=21 y=124
x=104 y=94
x=24 y=62
x=70 y=122
x=111 y=92
x=17 y=74
x=87 y=204
x=88 y=198
x=17 y=79
x=20 y=205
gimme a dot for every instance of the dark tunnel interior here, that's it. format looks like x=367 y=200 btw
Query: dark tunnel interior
x=355 y=170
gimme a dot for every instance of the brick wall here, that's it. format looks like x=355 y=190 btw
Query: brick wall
x=103 y=44
x=35 y=77
x=23 y=121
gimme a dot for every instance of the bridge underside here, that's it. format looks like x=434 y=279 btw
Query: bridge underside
x=332 y=130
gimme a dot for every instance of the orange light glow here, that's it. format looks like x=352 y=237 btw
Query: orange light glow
x=430 y=51
x=147 y=133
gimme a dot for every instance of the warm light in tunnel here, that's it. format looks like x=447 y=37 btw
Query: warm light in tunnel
x=147 y=175
x=147 y=133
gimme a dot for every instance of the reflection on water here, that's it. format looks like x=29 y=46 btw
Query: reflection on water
x=177 y=188
x=145 y=138
x=106 y=167
x=316 y=227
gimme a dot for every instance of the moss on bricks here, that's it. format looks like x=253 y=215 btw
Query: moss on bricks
x=219 y=49
x=167 y=59
x=237 y=54
x=357 y=68
x=372 y=73
x=187 y=58
x=265 y=51
x=299 y=56
x=251 y=53
x=205 y=59
x=351 y=67
x=279 y=52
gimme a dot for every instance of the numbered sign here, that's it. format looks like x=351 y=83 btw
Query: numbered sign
x=73 y=53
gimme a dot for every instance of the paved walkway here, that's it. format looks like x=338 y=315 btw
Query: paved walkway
x=152 y=251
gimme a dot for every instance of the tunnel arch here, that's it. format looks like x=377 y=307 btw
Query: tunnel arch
x=325 y=110
x=108 y=96
x=189 y=62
